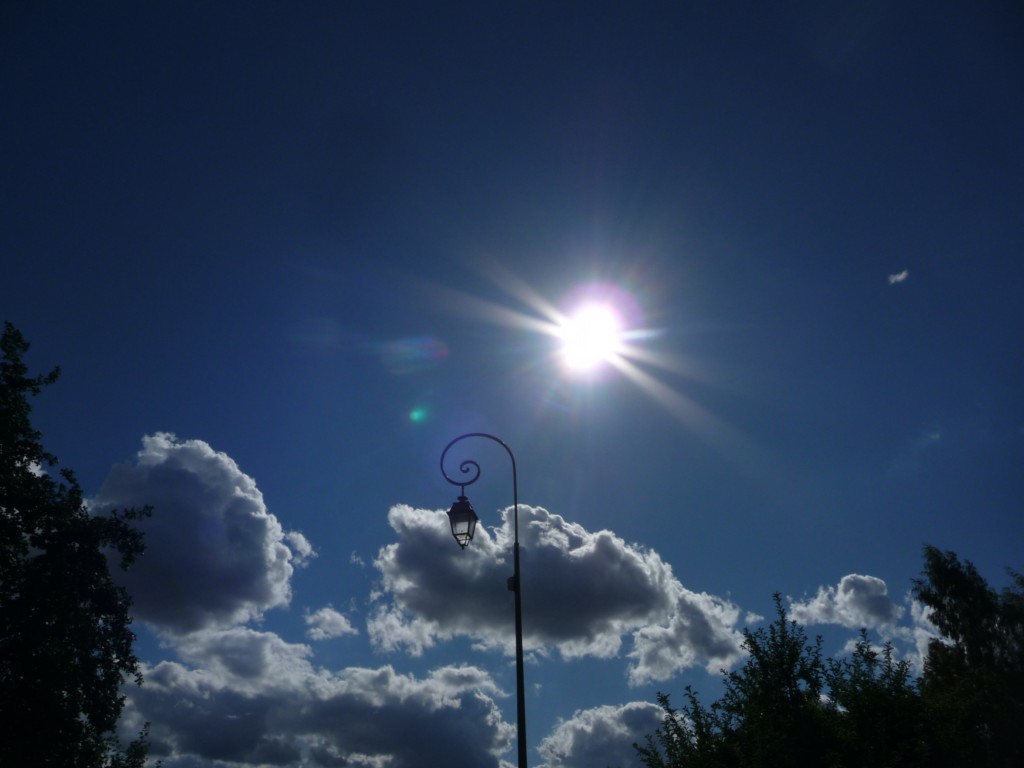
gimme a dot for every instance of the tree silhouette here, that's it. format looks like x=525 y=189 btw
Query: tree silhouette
x=973 y=681
x=789 y=707
x=771 y=714
x=65 y=639
x=878 y=716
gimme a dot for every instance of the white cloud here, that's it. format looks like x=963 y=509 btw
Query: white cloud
x=919 y=634
x=236 y=695
x=217 y=559
x=899 y=277
x=701 y=629
x=302 y=550
x=245 y=659
x=214 y=554
x=862 y=602
x=583 y=592
x=328 y=623
x=602 y=736
x=249 y=697
x=858 y=601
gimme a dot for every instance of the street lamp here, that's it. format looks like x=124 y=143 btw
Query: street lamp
x=463 y=521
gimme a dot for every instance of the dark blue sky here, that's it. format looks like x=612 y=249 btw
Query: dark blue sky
x=294 y=246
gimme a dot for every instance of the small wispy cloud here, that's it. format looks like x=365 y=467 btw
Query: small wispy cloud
x=917 y=450
x=327 y=623
x=899 y=277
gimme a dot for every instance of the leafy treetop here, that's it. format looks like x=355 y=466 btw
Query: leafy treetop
x=787 y=706
x=65 y=636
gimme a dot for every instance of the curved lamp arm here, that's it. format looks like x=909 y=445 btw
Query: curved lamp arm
x=463 y=520
x=470 y=466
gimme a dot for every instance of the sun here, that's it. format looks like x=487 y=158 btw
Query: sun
x=590 y=337
x=598 y=326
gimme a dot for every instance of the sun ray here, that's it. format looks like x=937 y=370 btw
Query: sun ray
x=518 y=288
x=676 y=364
x=727 y=441
x=462 y=303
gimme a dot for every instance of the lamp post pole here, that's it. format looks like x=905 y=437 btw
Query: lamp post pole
x=463 y=521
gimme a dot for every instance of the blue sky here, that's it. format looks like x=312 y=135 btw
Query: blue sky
x=284 y=253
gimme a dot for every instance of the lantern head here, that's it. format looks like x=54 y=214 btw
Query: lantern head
x=463 y=520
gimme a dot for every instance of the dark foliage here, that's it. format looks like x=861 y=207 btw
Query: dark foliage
x=876 y=709
x=771 y=714
x=65 y=637
x=789 y=707
x=973 y=681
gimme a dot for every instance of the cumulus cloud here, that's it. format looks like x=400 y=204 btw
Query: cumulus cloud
x=236 y=695
x=244 y=659
x=919 y=634
x=328 y=623
x=602 y=736
x=899 y=277
x=701 y=629
x=232 y=694
x=249 y=697
x=215 y=556
x=583 y=592
x=862 y=602
x=858 y=601
x=229 y=694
